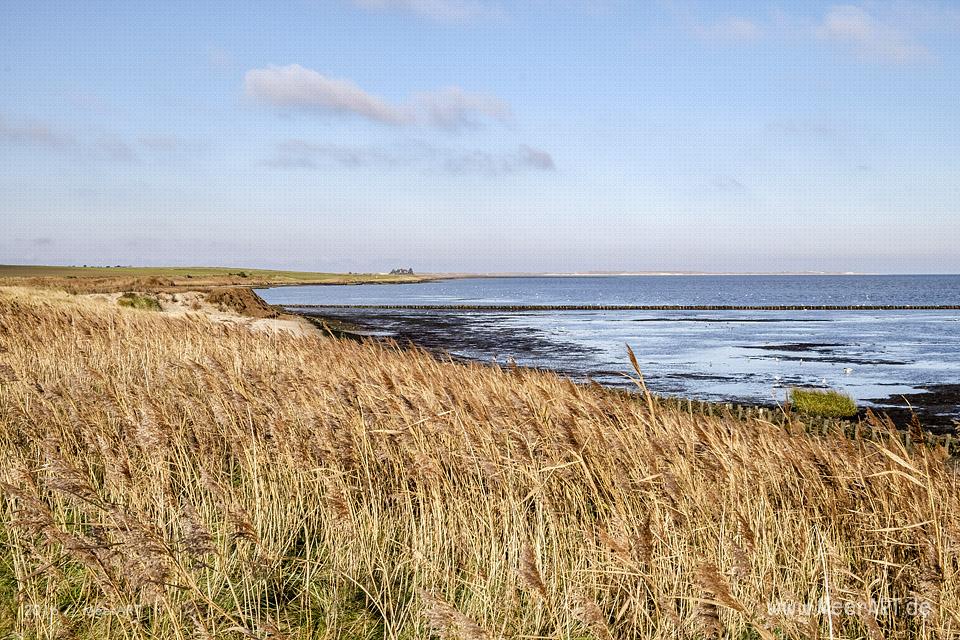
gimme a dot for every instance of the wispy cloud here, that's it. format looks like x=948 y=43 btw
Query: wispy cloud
x=734 y=29
x=808 y=128
x=114 y=149
x=89 y=102
x=870 y=39
x=871 y=33
x=453 y=108
x=296 y=87
x=478 y=162
x=44 y=136
x=412 y=156
x=726 y=184
x=468 y=11
x=724 y=29
x=34 y=134
x=166 y=145
x=456 y=11
x=161 y=142
x=219 y=58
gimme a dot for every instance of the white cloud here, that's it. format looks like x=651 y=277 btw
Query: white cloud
x=296 y=87
x=415 y=156
x=440 y=10
x=870 y=39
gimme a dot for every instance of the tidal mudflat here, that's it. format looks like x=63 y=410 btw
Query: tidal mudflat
x=884 y=359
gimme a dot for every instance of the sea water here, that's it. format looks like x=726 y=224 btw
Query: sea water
x=750 y=356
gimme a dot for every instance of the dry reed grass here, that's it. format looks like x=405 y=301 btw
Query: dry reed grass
x=173 y=478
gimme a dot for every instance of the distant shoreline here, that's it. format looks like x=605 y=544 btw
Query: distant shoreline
x=605 y=274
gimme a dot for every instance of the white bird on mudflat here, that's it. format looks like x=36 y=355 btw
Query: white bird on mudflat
x=848 y=370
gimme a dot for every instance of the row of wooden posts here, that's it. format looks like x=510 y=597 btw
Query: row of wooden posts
x=629 y=307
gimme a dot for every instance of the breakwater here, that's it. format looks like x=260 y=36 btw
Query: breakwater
x=626 y=307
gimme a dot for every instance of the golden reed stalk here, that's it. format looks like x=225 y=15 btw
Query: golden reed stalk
x=168 y=477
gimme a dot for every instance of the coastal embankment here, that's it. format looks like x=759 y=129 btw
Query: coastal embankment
x=87 y=279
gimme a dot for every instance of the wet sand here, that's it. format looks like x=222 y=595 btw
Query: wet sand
x=451 y=333
x=936 y=407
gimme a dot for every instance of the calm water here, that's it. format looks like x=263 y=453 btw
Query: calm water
x=747 y=356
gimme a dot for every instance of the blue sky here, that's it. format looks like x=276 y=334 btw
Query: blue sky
x=473 y=135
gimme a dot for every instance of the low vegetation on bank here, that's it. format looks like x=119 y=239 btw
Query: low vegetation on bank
x=168 y=477
x=825 y=403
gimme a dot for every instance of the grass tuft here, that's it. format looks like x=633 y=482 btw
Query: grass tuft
x=825 y=403
x=138 y=301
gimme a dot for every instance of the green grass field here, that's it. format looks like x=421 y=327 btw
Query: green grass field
x=45 y=271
